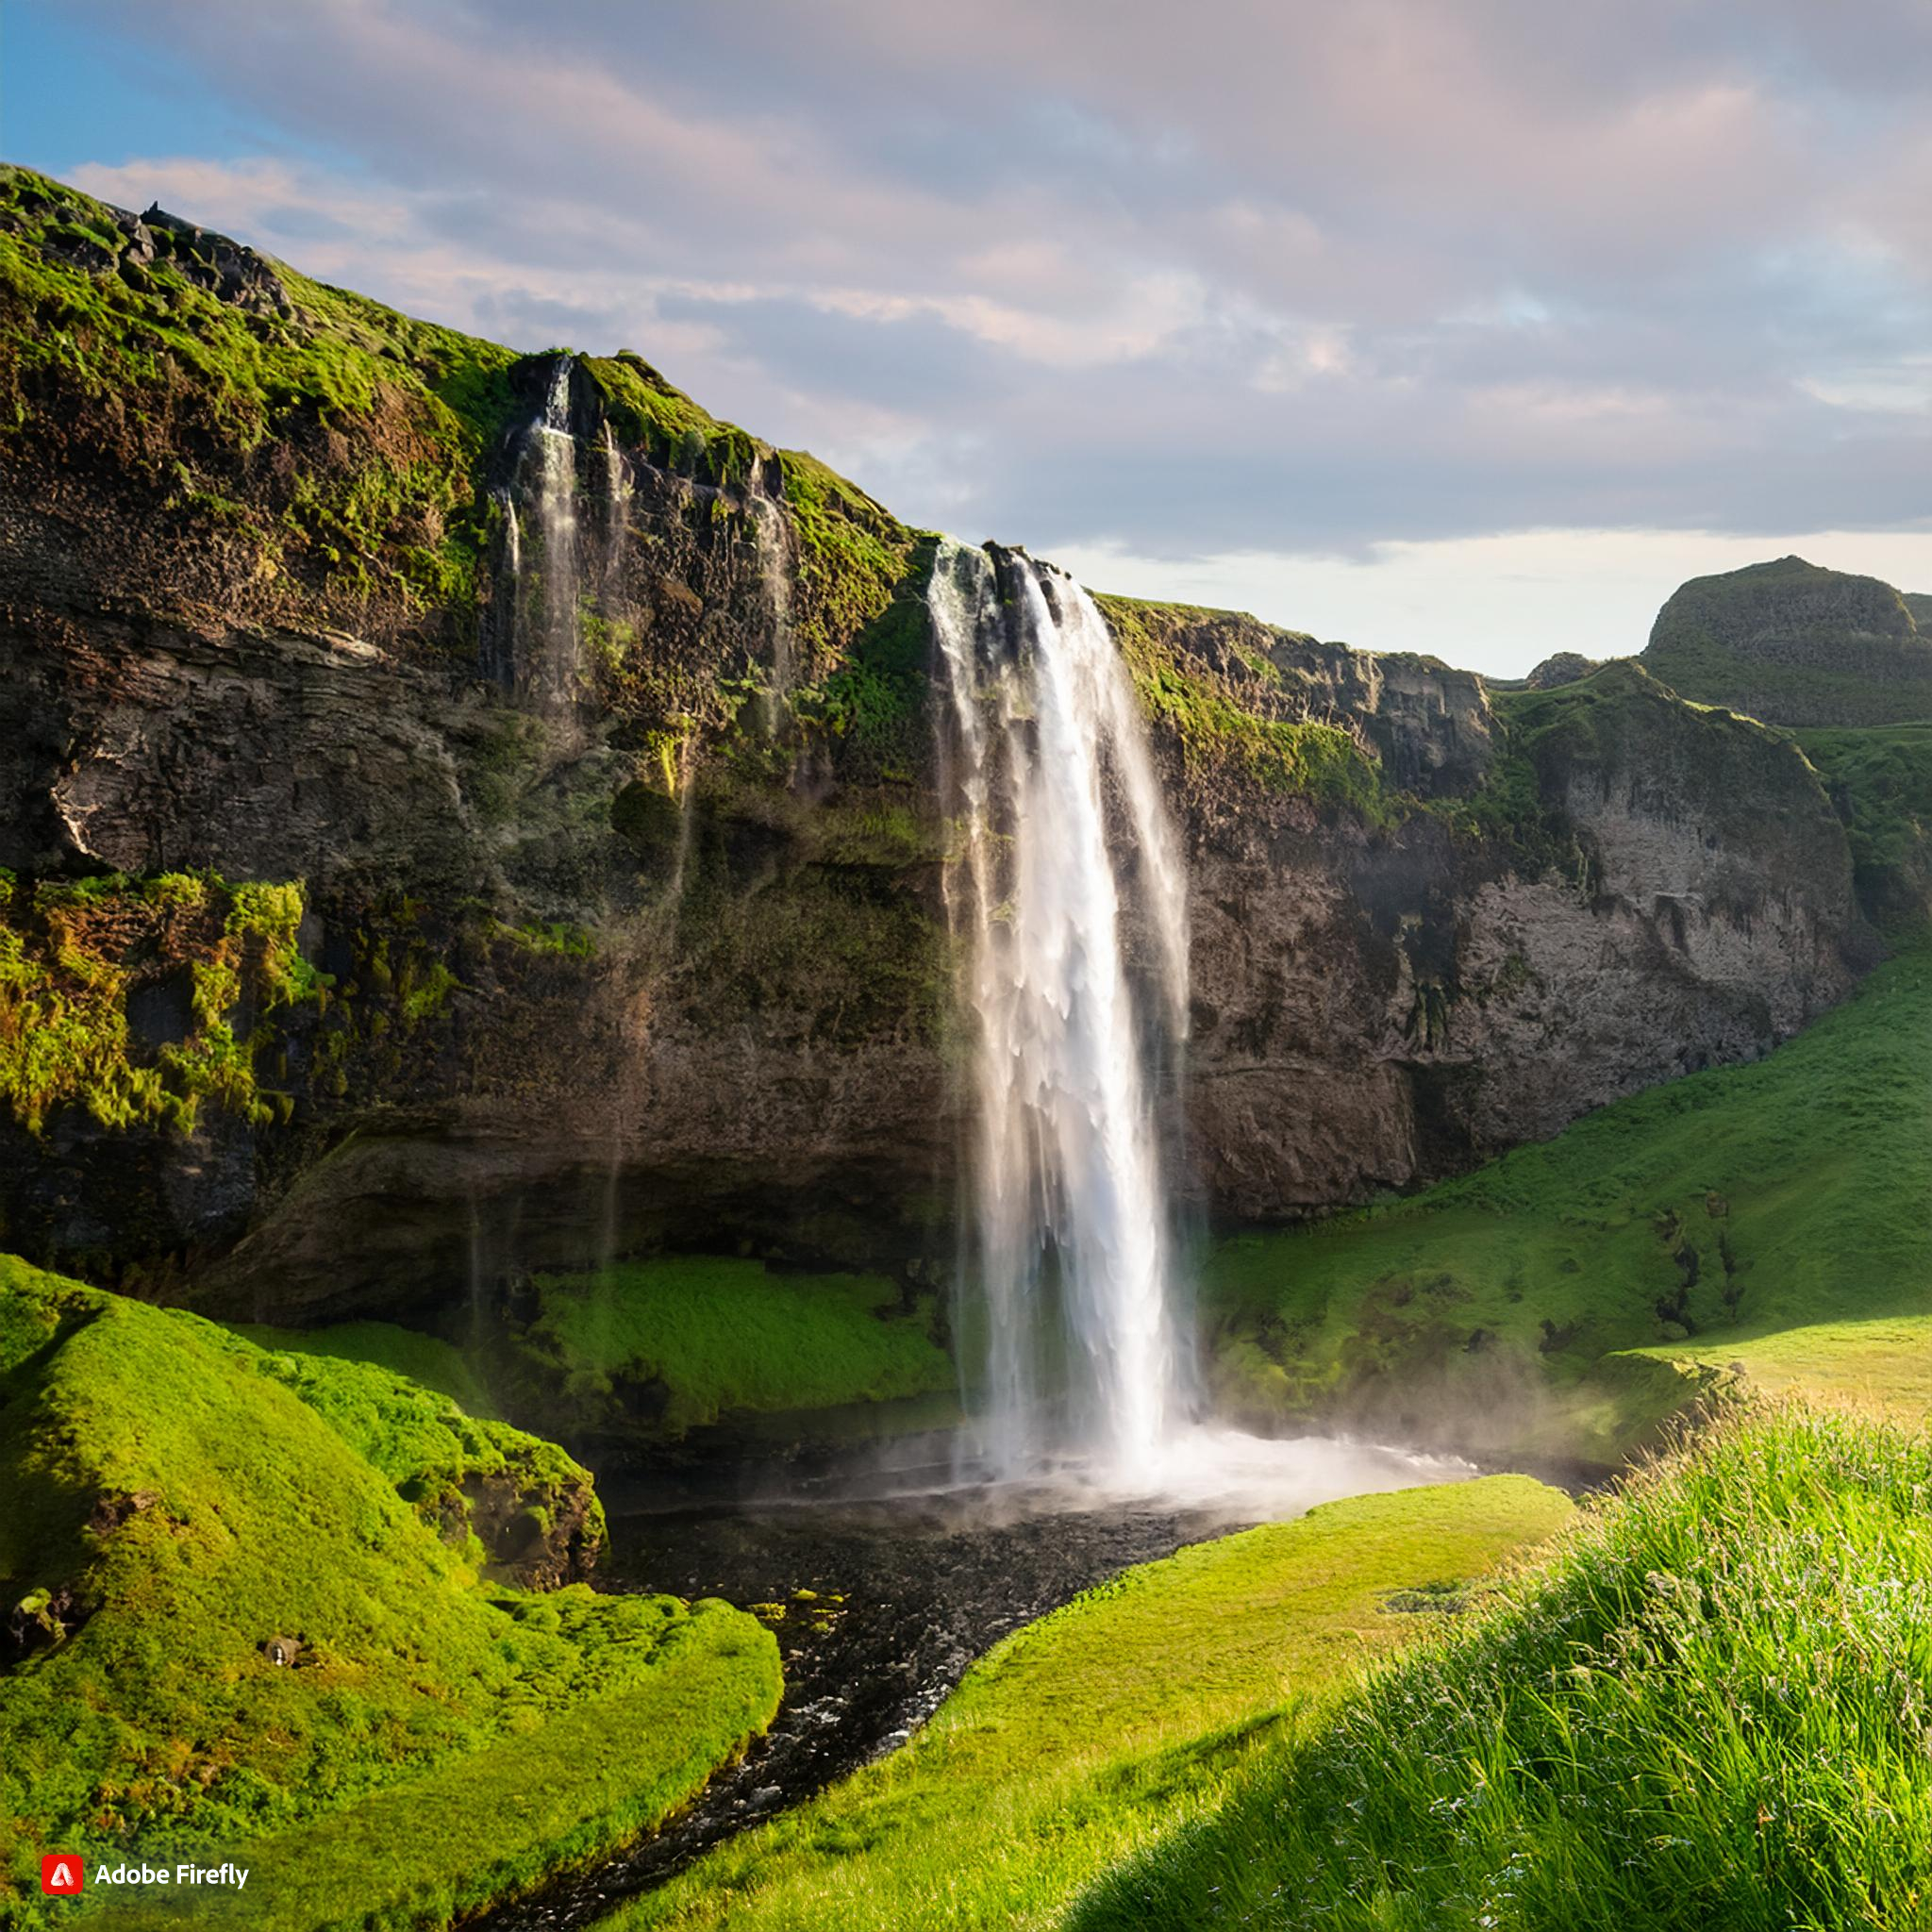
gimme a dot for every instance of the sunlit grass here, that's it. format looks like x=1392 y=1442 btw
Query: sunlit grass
x=1713 y=1708
x=1086 y=1735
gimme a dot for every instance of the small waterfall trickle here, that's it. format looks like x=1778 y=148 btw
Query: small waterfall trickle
x=554 y=449
x=617 y=494
x=774 y=572
x=1061 y=825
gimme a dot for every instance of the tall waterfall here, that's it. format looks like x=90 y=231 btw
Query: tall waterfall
x=1062 y=833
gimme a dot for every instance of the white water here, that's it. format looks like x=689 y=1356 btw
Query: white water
x=617 y=493
x=553 y=676
x=768 y=526
x=1069 y=1218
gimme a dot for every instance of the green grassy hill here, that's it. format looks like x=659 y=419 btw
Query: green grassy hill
x=1706 y=1221
x=179 y=1499
x=1709 y=1710
x=1794 y=643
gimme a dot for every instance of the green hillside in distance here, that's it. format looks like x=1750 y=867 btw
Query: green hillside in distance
x=1793 y=643
x=1770 y=1216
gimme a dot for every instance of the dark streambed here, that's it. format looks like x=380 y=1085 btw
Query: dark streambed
x=886 y=1598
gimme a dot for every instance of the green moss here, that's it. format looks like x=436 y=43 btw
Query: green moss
x=1697 y=1219
x=1215 y=729
x=874 y=705
x=185 y=387
x=1092 y=1731
x=713 y=1336
x=1707 y=1710
x=425 y=1359
x=421 y=1440
x=557 y=938
x=71 y=952
x=649 y=414
x=181 y=1497
x=854 y=558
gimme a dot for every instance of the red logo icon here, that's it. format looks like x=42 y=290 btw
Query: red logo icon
x=60 y=1873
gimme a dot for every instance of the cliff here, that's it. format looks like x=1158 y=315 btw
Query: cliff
x=458 y=805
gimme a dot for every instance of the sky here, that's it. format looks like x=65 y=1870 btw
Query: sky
x=1470 y=327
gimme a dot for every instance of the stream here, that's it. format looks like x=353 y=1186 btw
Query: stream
x=891 y=1584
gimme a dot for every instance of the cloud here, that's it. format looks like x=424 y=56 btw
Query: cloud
x=1313 y=279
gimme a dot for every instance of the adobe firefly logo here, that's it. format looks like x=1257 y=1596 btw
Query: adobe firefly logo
x=60 y=1874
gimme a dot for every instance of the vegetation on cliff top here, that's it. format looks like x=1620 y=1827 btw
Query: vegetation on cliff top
x=338 y=439
x=1704 y=1221
x=177 y=1499
x=1216 y=725
x=1088 y=1733
x=1709 y=1708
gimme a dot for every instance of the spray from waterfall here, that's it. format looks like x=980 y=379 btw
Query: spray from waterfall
x=1062 y=827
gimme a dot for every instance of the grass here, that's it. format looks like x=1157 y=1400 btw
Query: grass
x=1707 y=1713
x=1880 y=779
x=1699 y=1221
x=1878 y=1366
x=1088 y=1733
x=714 y=1336
x=179 y=1497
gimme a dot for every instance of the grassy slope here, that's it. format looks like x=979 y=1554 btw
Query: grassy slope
x=720 y=1334
x=1880 y=778
x=1086 y=1733
x=1708 y=1711
x=1794 y=1189
x=198 y=1497
x=425 y=1359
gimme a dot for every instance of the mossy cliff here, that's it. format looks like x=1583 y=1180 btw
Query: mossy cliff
x=261 y=1605
x=583 y=744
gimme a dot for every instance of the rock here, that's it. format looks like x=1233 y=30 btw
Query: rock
x=1561 y=668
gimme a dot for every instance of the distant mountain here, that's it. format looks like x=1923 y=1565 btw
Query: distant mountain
x=1793 y=643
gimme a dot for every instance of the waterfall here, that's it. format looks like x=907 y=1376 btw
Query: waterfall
x=1046 y=754
x=774 y=572
x=554 y=675
x=617 y=490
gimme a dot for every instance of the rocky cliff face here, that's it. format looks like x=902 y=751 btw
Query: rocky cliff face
x=590 y=738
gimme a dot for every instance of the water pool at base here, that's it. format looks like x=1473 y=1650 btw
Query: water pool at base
x=892 y=1581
